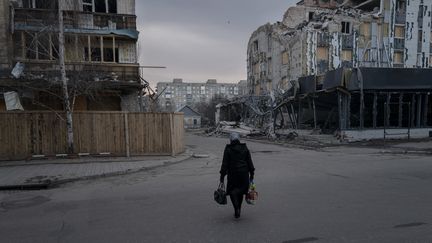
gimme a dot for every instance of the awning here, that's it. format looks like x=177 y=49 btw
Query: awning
x=133 y=34
x=391 y=79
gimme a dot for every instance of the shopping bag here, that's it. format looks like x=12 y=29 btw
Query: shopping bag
x=220 y=194
x=252 y=195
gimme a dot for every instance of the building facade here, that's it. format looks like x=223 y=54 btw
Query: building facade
x=192 y=119
x=177 y=94
x=318 y=36
x=100 y=53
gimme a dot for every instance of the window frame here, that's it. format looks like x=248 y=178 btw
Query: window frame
x=92 y=4
x=346 y=27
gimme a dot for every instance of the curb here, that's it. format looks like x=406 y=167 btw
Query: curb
x=25 y=187
x=289 y=145
x=407 y=152
x=87 y=161
x=56 y=183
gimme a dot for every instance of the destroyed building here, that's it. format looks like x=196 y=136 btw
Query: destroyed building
x=316 y=36
x=361 y=68
x=100 y=54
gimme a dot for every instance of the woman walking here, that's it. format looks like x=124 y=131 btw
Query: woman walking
x=237 y=164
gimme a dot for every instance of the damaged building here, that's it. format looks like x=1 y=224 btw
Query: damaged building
x=357 y=68
x=100 y=54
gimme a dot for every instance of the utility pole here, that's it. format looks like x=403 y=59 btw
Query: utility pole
x=69 y=121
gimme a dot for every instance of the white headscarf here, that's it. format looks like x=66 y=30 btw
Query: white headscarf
x=234 y=136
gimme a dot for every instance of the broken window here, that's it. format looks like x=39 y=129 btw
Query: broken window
x=94 y=54
x=346 y=27
x=311 y=14
x=112 y=6
x=36 y=46
x=41 y=4
x=87 y=5
x=100 y=6
x=46 y=4
x=109 y=55
x=28 y=4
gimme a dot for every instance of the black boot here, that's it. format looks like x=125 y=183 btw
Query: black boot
x=237 y=213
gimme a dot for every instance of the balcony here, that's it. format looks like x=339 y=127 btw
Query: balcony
x=43 y=18
x=122 y=74
x=347 y=41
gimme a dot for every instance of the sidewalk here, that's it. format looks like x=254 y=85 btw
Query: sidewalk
x=423 y=147
x=43 y=174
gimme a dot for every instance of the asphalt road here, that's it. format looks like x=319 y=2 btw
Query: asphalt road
x=336 y=195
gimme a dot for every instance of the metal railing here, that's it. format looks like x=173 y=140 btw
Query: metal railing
x=73 y=19
x=83 y=71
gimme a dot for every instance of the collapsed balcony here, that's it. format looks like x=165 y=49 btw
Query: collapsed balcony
x=377 y=100
x=354 y=104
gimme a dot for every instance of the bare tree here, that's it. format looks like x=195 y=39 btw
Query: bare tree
x=208 y=109
x=68 y=110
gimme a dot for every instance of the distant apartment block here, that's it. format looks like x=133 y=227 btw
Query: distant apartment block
x=176 y=94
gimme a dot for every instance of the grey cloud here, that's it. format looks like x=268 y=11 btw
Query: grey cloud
x=201 y=39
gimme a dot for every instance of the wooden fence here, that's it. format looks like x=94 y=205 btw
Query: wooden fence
x=24 y=134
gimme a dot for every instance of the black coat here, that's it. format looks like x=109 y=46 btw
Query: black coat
x=237 y=164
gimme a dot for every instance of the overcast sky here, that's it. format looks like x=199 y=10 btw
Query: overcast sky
x=201 y=39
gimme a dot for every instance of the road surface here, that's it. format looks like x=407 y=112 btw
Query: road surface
x=341 y=194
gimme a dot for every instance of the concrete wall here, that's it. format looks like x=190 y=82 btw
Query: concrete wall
x=190 y=124
x=370 y=134
x=411 y=33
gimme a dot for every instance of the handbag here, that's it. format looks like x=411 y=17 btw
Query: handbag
x=220 y=194
x=252 y=195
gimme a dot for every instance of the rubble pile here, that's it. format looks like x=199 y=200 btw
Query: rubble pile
x=225 y=127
